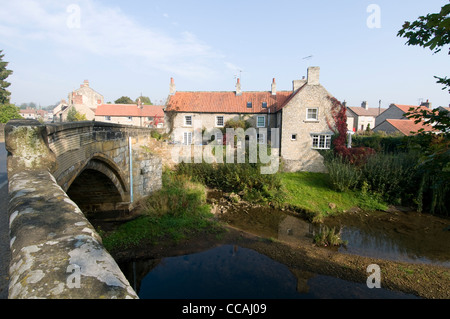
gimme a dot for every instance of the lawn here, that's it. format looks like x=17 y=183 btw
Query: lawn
x=312 y=193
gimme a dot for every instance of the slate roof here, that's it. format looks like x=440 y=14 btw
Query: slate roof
x=361 y=111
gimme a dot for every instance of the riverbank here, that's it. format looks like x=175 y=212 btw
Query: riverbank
x=426 y=281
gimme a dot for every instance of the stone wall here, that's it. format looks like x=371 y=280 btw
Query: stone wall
x=55 y=251
x=208 y=121
x=299 y=154
x=77 y=144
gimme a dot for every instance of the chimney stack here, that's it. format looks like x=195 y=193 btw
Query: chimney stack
x=365 y=105
x=313 y=75
x=172 y=88
x=427 y=104
x=238 y=87
x=296 y=84
x=86 y=83
x=274 y=87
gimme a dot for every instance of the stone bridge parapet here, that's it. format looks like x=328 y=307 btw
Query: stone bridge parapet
x=55 y=251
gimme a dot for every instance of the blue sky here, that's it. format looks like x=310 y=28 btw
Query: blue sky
x=133 y=47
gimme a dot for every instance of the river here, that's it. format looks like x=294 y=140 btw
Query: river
x=231 y=271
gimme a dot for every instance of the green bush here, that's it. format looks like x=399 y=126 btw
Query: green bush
x=393 y=176
x=230 y=177
x=329 y=237
x=343 y=175
x=176 y=211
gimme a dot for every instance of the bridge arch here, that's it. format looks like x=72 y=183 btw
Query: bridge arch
x=98 y=186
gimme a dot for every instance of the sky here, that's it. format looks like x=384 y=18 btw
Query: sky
x=129 y=48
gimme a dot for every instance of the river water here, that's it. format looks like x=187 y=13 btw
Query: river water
x=235 y=272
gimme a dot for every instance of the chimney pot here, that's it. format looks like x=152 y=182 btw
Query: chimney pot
x=274 y=87
x=426 y=104
x=238 y=87
x=172 y=87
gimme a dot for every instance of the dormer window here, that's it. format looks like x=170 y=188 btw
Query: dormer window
x=264 y=105
x=249 y=105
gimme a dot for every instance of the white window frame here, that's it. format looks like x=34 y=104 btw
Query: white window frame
x=107 y=118
x=186 y=122
x=217 y=121
x=257 y=121
x=316 y=118
x=187 y=138
x=321 y=141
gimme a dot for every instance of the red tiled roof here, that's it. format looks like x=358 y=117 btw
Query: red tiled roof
x=129 y=110
x=405 y=108
x=408 y=126
x=227 y=102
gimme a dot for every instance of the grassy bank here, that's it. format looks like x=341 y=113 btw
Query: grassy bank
x=313 y=194
x=180 y=210
x=174 y=213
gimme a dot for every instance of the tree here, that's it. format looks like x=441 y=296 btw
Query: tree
x=74 y=116
x=124 y=100
x=4 y=73
x=355 y=155
x=9 y=112
x=145 y=100
x=431 y=31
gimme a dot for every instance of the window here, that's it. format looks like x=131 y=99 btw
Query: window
x=261 y=138
x=219 y=121
x=187 y=138
x=293 y=137
x=321 y=141
x=107 y=118
x=312 y=114
x=261 y=121
x=149 y=118
x=188 y=120
x=249 y=105
x=264 y=105
x=130 y=118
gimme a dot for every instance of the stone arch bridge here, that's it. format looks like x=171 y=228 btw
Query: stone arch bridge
x=58 y=174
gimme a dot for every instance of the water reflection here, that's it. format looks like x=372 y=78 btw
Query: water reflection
x=233 y=272
x=410 y=237
x=398 y=236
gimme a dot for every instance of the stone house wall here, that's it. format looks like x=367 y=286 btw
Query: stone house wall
x=296 y=130
x=207 y=121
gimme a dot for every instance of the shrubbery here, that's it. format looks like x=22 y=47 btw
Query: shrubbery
x=245 y=178
x=412 y=171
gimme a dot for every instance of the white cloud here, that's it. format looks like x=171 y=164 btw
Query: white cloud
x=105 y=32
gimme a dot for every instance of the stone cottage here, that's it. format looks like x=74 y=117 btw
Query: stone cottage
x=301 y=117
x=85 y=100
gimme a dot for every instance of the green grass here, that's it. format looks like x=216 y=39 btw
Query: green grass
x=313 y=193
x=177 y=211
